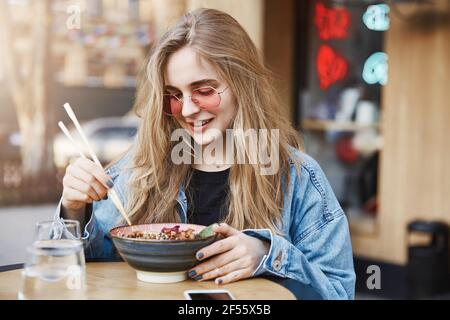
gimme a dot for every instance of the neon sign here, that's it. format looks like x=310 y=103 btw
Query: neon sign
x=331 y=66
x=376 y=17
x=331 y=23
x=376 y=69
x=376 y=66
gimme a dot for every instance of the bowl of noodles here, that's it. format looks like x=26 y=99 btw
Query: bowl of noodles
x=161 y=253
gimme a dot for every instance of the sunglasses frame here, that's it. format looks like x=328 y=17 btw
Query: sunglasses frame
x=181 y=100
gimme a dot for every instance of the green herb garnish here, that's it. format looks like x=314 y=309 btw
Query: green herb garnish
x=207 y=232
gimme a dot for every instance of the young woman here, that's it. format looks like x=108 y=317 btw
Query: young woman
x=205 y=77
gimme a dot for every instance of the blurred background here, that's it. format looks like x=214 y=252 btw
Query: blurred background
x=365 y=82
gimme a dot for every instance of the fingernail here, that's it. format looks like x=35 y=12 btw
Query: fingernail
x=110 y=184
x=200 y=255
x=192 y=274
x=105 y=197
x=198 y=278
x=219 y=281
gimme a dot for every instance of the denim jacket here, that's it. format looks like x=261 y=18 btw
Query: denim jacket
x=315 y=248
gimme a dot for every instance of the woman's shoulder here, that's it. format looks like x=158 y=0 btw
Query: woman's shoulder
x=310 y=182
x=301 y=161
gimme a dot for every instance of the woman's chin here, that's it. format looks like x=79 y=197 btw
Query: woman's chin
x=203 y=141
x=205 y=138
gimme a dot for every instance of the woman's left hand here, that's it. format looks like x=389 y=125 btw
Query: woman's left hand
x=234 y=258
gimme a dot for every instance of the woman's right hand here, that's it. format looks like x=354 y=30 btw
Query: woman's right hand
x=84 y=182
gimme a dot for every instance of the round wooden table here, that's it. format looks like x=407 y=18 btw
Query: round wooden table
x=117 y=280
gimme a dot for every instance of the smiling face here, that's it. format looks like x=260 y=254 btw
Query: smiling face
x=187 y=72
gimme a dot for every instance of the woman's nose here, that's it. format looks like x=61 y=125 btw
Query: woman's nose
x=189 y=108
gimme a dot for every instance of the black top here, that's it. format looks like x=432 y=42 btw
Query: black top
x=207 y=195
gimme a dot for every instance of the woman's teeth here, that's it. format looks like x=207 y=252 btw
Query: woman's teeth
x=201 y=123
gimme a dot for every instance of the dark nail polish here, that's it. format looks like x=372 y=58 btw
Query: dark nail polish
x=198 y=278
x=105 y=197
x=219 y=281
x=200 y=255
x=110 y=184
x=192 y=274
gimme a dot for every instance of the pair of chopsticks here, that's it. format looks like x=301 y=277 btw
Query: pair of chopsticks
x=112 y=192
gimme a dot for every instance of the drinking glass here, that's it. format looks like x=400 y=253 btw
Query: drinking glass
x=55 y=264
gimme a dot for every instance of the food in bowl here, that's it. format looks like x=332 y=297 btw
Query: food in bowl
x=161 y=260
x=167 y=233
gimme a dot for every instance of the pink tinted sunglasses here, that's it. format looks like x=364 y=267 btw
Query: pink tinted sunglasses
x=206 y=98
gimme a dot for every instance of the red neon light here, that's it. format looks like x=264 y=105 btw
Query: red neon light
x=331 y=23
x=331 y=66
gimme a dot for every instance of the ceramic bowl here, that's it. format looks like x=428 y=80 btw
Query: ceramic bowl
x=159 y=261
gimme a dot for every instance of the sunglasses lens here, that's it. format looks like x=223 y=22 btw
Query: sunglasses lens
x=171 y=105
x=206 y=98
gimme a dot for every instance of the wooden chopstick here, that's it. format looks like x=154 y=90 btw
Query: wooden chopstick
x=69 y=136
x=114 y=197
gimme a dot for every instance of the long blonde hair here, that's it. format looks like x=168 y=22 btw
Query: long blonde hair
x=255 y=200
